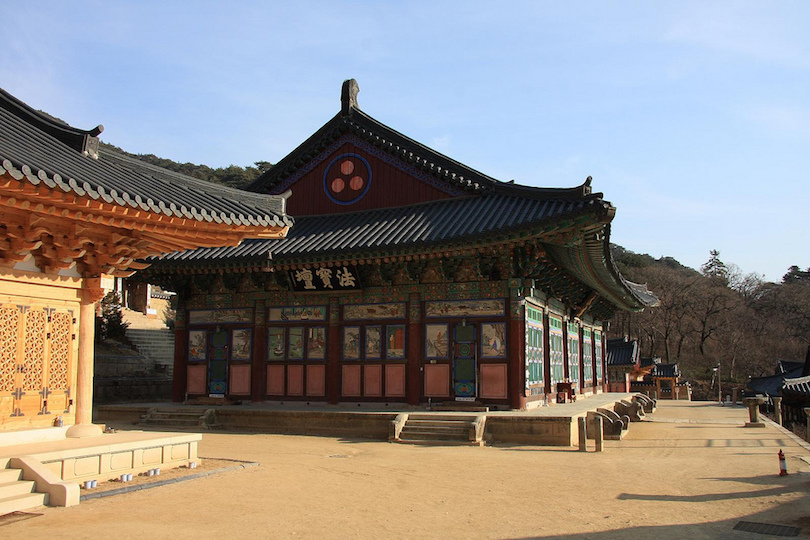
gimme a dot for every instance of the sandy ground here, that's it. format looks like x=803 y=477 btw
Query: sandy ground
x=692 y=471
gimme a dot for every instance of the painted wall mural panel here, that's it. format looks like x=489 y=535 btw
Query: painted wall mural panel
x=493 y=340
x=374 y=311
x=317 y=343
x=395 y=338
x=276 y=344
x=373 y=342
x=296 y=351
x=220 y=316
x=197 y=346
x=351 y=343
x=242 y=344
x=465 y=308
x=297 y=313
x=436 y=342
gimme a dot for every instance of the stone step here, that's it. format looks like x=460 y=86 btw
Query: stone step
x=430 y=436
x=150 y=331
x=438 y=426
x=20 y=503
x=449 y=432
x=440 y=423
x=17 y=487
x=10 y=475
x=426 y=442
x=443 y=417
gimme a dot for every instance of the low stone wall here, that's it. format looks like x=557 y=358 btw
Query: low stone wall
x=131 y=388
x=119 y=455
x=518 y=429
x=326 y=423
x=543 y=430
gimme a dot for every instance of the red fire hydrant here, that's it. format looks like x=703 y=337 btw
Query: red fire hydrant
x=782 y=463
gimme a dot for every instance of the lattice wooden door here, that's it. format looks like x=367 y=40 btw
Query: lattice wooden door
x=37 y=347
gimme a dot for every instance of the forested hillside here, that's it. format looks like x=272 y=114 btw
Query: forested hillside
x=717 y=315
x=233 y=175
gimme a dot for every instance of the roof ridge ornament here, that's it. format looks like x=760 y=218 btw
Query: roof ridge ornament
x=348 y=96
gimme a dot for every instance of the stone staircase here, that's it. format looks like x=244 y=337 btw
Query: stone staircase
x=438 y=429
x=16 y=494
x=185 y=418
x=155 y=344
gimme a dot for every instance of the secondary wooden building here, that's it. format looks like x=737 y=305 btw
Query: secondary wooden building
x=69 y=222
x=408 y=277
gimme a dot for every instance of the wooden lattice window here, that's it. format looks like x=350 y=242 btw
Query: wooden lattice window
x=9 y=336
x=61 y=332
x=34 y=349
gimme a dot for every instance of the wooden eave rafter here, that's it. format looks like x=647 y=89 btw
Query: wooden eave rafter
x=42 y=199
x=62 y=230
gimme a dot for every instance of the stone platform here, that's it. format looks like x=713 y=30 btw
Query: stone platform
x=555 y=425
x=59 y=465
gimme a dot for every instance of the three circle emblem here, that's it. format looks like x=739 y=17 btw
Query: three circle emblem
x=347 y=178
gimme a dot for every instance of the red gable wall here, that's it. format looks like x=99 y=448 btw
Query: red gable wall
x=347 y=187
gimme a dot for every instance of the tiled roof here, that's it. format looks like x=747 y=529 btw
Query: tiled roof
x=621 y=352
x=771 y=385
x=665 y=371
x=47 y=153
x=797 y=387
x=648 y=362
x=464 y=219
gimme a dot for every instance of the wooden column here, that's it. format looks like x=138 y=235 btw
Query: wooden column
x=258 y=375
x=581 y=346
x=414 y=370
x=333 y=353
x=566 y=366
x=516 y=369
x=549 y=389
x=180 y=375
x=91 y=293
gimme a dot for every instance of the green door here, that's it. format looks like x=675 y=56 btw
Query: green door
x=218 y=365
x=465 y=347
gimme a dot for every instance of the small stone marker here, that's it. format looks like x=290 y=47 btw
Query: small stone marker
x=753 y=404
x=583 y=433
x=599 y=435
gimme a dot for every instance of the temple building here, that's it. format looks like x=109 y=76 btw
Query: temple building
x=408 y=278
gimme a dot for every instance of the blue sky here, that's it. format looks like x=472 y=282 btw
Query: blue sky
x=692 y=117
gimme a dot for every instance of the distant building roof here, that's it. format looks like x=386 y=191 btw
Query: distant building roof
x=799 y=386
x=665 y=371
x=621 y=352
x=648 y=362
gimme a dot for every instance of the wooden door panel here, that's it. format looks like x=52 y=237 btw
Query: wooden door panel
x=32 y=376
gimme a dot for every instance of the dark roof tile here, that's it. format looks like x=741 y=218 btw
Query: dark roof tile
x=41 y=150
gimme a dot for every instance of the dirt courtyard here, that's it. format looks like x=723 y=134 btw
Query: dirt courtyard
x=691 y=471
